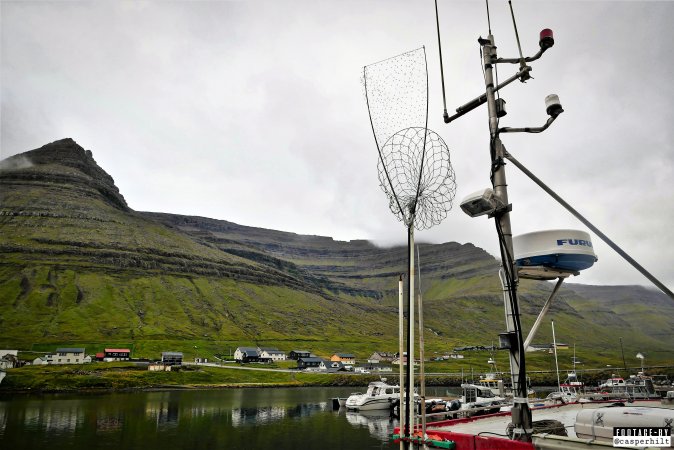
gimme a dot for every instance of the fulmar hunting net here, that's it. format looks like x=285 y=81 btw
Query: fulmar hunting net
x=413 y=166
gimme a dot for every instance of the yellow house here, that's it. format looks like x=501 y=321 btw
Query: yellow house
x=344 y=358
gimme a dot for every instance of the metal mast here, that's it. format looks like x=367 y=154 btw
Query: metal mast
x=495 y=203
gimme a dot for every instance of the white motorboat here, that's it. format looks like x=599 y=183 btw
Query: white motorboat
x=480 y=399
x=612 y=382
x=379 y=395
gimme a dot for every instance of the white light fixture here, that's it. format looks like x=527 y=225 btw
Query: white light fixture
x=481 y=202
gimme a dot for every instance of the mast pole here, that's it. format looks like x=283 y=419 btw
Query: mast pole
x=554 y=345
x=409 y=400
x=401 y=347
x=521 y=414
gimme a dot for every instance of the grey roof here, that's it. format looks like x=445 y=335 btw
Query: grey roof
x=387 y=354
x=310 y=359
x=300 y=351
x=247 y=349
x=172 y=354
x=333 y=363
x=70 y=350
x=346 y=355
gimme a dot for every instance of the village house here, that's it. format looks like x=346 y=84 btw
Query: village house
x=9 y=359
x=297 y=354
x=309 y=362
x=378 y=357
x=171 y=359
x=271 y=354
x=331 y=366
x=247 y=355
x=115 y=354
x=345 y=358
x=44 y=360
x=69 y=355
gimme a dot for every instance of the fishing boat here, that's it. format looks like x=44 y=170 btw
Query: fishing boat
x=494 y=383
x=637 y=386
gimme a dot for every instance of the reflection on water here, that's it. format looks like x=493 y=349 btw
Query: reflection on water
x=232 y=419
x=379 y=423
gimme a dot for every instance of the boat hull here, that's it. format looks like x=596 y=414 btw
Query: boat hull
x=372 y=404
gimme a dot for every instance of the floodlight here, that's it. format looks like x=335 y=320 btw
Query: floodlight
x=481 y=202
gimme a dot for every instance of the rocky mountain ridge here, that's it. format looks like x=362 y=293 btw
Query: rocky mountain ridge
x=71 y=249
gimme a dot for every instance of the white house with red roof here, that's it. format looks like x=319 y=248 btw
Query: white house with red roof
x=116 y=354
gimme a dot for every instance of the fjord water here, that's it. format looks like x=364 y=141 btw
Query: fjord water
x=280 y=419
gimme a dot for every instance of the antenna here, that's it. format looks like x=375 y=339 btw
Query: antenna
x=442 y=71
x=414 y=167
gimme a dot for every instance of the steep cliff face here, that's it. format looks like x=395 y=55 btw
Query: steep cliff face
x=356 y=267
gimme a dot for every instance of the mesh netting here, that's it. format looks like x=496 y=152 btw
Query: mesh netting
x=403 y=180
x=414 y=166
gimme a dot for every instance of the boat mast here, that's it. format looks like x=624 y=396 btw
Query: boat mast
x=554 y=346
x=496 y=205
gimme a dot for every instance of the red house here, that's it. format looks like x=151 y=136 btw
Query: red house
x=116 y=354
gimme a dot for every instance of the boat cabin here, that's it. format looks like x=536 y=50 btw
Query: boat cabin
x=378 y=388
x=473 y=392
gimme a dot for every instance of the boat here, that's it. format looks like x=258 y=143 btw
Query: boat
x=567 y=426
x=570 y=391
x=379 y=395
x=480 y=400
x=492 y=382
x=635 y=387
x=612 y=382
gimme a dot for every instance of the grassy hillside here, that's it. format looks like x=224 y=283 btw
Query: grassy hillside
x=78 y=267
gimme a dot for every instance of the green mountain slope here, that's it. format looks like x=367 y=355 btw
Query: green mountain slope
x=77 y=265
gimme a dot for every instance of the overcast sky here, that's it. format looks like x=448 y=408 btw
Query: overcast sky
x=253 y=112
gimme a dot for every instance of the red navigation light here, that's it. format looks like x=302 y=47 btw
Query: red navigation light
x=546 y=40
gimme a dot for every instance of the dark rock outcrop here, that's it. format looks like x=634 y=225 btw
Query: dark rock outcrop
x=38 y=166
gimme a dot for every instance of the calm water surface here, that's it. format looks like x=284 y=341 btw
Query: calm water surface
x=288 y=418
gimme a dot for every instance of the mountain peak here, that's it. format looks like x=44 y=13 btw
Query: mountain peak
x=66 y=153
